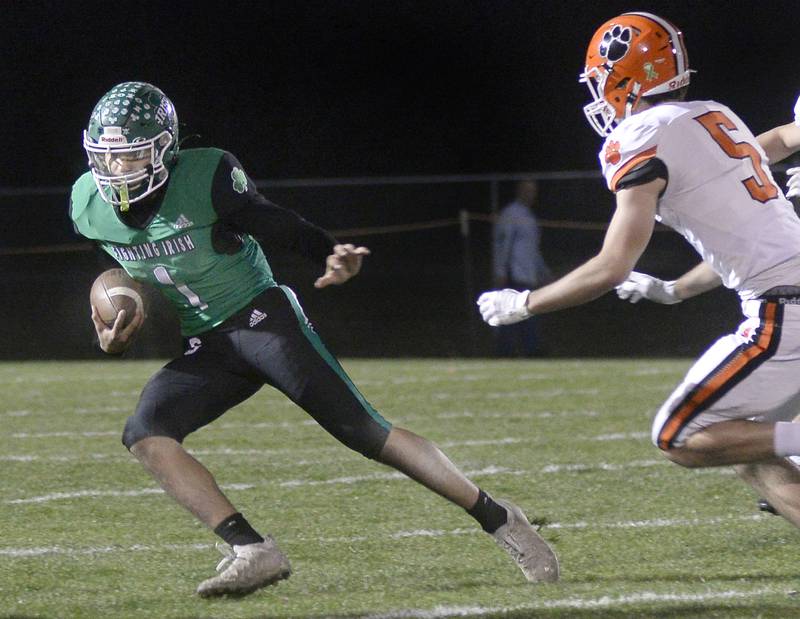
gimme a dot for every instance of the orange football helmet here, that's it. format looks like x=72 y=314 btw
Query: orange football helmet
x=631 y=56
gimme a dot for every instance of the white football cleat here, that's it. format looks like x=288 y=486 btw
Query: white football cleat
x=246 y=568
x=532 y=554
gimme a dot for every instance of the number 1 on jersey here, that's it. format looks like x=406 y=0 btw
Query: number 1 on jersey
x=163 y=277
x=760 y=186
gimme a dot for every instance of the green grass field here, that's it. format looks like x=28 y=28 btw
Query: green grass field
x=86 y=532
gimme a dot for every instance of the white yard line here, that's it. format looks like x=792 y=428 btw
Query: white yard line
x=482 y=442
x=96 y=550
x=491 y=470
x=306 y=422
x=657 y=523
x=59 y=496
x=621 y=436
x=224 y=451
x=602 y=466
x=609 y=601
x=66 y=434
x=398 y=535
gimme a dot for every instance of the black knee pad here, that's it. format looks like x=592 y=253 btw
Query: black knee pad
x=367 y=438
x=134 y=432
x=141 y=425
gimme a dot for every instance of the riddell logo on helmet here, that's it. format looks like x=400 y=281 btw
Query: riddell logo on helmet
x=113 y=139
x=113 y=135
x=680 y=82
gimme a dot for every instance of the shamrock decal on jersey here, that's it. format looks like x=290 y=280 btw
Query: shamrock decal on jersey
x=616 y=43
x=239 y=180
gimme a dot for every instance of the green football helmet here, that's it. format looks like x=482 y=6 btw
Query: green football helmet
x=131 y=141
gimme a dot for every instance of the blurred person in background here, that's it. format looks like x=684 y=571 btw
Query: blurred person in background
x=517 y=263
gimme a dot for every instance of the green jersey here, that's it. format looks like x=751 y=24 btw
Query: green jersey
x=177 y=251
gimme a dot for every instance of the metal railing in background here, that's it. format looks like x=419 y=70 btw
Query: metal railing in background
x=492 y=181
x=431 y=240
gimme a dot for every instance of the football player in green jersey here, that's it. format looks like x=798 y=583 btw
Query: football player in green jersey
x=192 y=223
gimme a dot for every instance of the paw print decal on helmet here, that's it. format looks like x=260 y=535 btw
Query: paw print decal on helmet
x=615 y=43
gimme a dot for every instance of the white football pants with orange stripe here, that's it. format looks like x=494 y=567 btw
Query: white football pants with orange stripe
x=753 y=373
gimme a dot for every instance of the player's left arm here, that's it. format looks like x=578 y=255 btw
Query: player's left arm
x=780 y=142
x=626 y=239
x=242 y=209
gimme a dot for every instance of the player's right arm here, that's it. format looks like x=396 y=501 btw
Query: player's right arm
x=627 y=236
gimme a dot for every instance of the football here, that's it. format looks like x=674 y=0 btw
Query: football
x=114 y=290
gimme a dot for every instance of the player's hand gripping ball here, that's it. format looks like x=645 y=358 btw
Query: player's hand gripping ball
x=117 y=310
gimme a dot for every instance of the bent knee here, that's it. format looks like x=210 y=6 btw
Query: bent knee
x=367 y=438
x=140 y=427
x=684 y=457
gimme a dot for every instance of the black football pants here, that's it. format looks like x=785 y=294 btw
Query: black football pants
x=270 y=341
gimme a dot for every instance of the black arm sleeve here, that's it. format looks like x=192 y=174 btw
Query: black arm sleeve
x=650 y=170
x=242 y=209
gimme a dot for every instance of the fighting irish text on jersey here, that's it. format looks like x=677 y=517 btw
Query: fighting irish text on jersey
x=178 y=249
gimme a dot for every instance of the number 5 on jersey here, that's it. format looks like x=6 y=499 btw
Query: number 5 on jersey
x=163 y=277
x=760 y=187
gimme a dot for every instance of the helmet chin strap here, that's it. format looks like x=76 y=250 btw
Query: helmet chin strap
x=632 y=99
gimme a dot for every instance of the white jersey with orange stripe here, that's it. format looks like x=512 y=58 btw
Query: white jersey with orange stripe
x=720 y=194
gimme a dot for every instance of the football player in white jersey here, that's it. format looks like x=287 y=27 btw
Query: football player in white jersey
x=778 y=143
x=696 y=167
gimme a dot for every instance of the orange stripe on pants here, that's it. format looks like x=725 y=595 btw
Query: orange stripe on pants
x=719 y=379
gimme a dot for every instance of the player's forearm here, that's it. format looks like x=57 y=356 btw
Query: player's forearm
x=700 y=279
x=276 y=226
x=780 y=142
x=586 y=283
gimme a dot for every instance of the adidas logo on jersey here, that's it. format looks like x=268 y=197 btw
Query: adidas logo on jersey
x=256 y=316
x=182 y=222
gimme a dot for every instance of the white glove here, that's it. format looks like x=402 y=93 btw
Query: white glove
x=504 y=307
x=797 y=112
x=793 y=184
x=640 y=286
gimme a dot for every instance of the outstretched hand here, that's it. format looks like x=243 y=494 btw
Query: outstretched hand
x=342 y=264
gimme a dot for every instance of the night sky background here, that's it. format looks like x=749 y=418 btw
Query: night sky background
x=351 y=88
x=300 y=90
